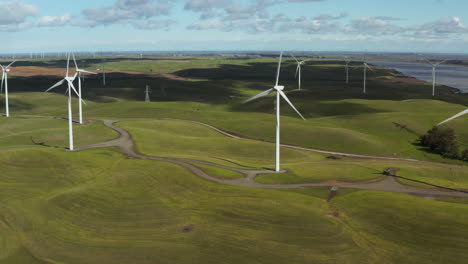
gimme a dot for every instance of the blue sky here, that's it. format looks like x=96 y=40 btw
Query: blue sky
x=299 y=25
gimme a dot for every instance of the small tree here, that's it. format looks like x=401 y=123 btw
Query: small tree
x=442 y=141
x=464 y=155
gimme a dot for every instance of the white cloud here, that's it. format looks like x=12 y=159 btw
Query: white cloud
x=331 y=17
x=373 y=26
x=54 y=21
x=125 y=10
x=154 y=24
x=14 y=15
x=443 y=26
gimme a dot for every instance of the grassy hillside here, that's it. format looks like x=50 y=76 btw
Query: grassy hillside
x=97 y=206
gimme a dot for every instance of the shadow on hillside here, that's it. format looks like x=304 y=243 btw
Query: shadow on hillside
x=84 y=63
x=15 y=105
x=221 y=86
x=132 y=87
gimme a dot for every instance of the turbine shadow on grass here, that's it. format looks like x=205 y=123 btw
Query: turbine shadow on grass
x=45 y=145
x=429 y=184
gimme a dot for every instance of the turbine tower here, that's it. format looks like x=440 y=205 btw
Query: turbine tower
x=147 y=92
x=279 y=93
x=69 y=79
x=5 y=71
x=80 y=73
x=453 y=117
x=365 y=66
x=434 y=68
x=103 y=75
x=299 y=70
x=347 y=62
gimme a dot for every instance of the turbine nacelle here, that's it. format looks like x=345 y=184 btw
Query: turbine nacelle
x=279 y=88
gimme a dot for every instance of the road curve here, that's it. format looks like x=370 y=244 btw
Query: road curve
x=126 y=146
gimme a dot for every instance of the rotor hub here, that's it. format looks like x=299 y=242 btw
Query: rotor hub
x=280 y=88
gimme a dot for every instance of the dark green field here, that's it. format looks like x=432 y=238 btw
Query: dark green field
x=100 y=206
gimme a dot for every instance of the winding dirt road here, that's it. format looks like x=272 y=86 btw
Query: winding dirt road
x=126 y=146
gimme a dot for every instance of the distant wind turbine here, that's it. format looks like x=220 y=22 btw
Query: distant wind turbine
x=299 y=70
x=279 y=92
x=434 y=68
x=80 y=72
x=5 y=71
x=347 y=62
x=453 y=117
x=69 y=79
x=365 y=66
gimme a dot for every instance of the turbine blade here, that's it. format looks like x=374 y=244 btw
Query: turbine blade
x=297 y=70
x=85 y=71
x=55 y=85
x=83 y=101
x=10 y=65
x=68 y=63
x=76 y=65
x=267 y=92
x=279 y=68
x=73 y=88
x=453 y=117
x=294 y=57
x=437 y=64
x=368 y=67
x=3 y=79
x=289 y=102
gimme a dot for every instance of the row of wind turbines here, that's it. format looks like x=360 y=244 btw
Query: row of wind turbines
x=279 y=89
x=70 y=87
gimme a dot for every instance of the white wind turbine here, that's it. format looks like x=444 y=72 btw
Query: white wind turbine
x=279 y=92
x=434 y=67
x=80 y=72
x=69 y=79
x=365 y=66
x=299 y=70
x=347 y=62
x=453 y=117
x=5 y=71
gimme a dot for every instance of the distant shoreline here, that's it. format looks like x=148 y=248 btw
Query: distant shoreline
x=453 y=76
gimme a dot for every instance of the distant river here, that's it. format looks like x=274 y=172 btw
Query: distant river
x=449 y=75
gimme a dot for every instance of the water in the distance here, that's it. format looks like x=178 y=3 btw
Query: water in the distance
x=449 y=75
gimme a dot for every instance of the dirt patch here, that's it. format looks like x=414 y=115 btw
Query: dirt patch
x=335 y=214
x=29 y=71
x=188 y=229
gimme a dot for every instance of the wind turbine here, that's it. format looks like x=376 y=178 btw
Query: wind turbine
x=434 y=67
x=365 y=66
x=69 y=79
x=299 y=70
x=347 y=62
x=5 y=71
x=453 y=117
x=279 y=93
x=80 y=72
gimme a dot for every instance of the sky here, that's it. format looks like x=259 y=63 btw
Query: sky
x=227 y=25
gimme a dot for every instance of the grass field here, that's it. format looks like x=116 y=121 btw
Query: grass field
x=404 y=229
x=99 y=206
x=219 y=173
x=53 y=133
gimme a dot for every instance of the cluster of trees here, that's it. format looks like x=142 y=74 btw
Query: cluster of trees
x=444 y=142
